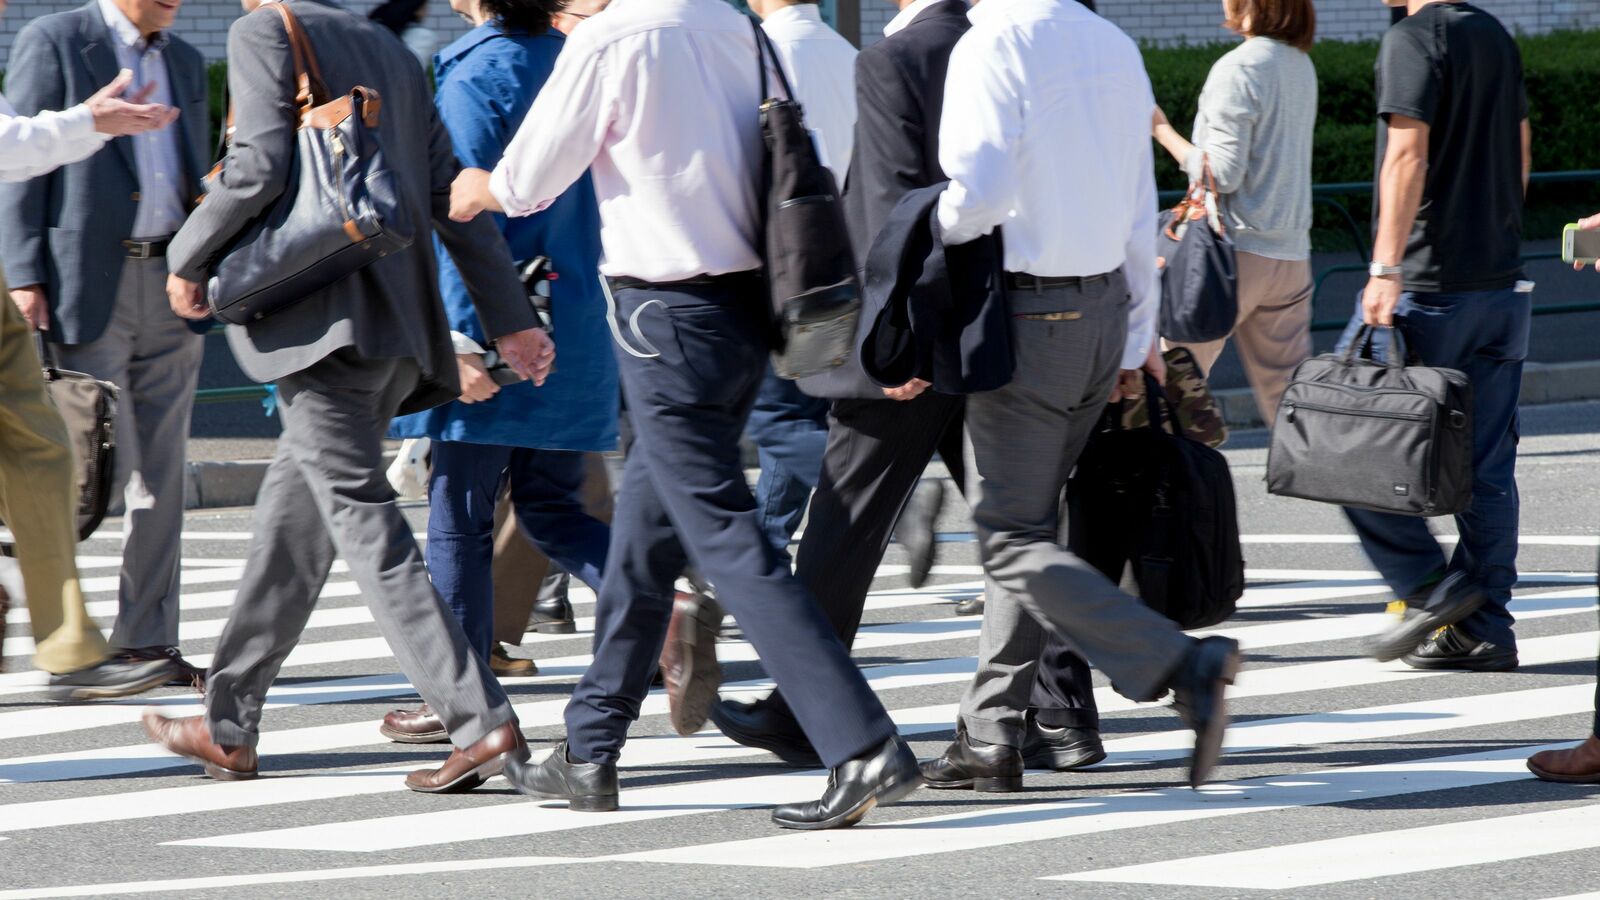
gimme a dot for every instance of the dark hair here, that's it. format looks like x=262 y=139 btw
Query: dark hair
x=1292 y=21
x=532 y=16
x=397 y=15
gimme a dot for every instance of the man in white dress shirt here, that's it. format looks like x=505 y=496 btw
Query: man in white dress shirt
x=660 y=98
x=1072 y=187
x=38 y=482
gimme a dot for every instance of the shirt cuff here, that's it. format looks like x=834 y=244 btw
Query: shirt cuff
x=506 y=195
x=463 y=344
x=1194 y=165
x=951 y=227
x=77 y=124
x=1137 y=350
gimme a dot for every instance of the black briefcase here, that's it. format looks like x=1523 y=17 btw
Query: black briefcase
x=1380 y=436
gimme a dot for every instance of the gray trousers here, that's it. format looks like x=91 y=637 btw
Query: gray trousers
x=1023 y=441
x=325 y=495
x=154 y=358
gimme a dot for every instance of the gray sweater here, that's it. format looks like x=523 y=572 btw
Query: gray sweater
x=1257 y=114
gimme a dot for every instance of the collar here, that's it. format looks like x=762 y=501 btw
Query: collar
x=125 y=33
x=907 y=15
x=479 y=36
x=797 y=12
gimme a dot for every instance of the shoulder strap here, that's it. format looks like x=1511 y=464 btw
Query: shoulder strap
x=311 y=91
x=767 y=54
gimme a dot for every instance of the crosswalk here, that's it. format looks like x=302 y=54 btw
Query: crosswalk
x=1339 y=770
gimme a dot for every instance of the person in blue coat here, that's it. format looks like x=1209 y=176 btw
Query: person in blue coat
x=532 y=438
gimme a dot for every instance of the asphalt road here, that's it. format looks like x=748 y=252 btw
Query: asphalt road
x=1345 y=778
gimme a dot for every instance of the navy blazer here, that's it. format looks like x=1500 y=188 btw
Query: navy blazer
x=65 y=230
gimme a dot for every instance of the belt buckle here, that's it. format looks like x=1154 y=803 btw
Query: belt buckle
x=138 y=249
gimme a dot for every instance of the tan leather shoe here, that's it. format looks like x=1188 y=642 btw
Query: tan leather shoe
x=469 y=767
x=504 y=665
x=689 y=667
x=191 y=739
x=1578 y=765
x=414 y=726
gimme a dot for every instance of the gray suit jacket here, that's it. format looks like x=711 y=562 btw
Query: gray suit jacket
x=390 y=309
x=65 y=230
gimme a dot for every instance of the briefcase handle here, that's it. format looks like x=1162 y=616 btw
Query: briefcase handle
x=1363 y=344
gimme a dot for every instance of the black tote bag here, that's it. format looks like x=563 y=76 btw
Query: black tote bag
x=1199 y=272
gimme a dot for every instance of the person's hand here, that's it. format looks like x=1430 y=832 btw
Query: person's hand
x=908 y=391
x=1379 y=300
x=31 y=303
x=1588 y=224
x=186 y=298
x=1130 y=382
x=476 y=383
x=469 y=195
x=529 y=352
x=118 y=116
x=1158 y=119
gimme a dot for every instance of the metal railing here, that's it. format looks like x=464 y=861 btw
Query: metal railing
x=1322 y=194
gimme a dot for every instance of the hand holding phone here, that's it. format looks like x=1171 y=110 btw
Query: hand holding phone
x=1580 y=243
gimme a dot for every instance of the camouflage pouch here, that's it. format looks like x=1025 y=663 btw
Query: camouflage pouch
x=1198 y=414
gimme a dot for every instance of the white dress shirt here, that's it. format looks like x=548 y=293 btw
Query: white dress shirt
x=30 y=146
x=821 y=67
x=906 y=16
x=660 y=98
x=156 y=154
x=1046 y=132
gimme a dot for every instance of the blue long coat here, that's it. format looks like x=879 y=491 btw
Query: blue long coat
x=486 y=82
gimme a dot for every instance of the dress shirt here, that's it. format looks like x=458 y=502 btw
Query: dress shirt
x=660 y=98
x=155 y=153
x=821 y=67
x=30 y=146
x=906 y=16
x=1046 y=132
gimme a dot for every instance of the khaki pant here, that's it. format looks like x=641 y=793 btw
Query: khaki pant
x=1273 y=333
x=38 y=501
x=520 y=568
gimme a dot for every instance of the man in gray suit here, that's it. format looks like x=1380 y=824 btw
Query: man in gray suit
x=83 y=250
x=345 y=360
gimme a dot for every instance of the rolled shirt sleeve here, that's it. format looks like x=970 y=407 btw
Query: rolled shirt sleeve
x=33 y=145
x=978 y=136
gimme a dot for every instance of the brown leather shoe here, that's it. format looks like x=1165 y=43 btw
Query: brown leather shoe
x=1578 y=765
x=414 y=726
x=689 y=667
x=191 y=739
x=470 y=767
x=504 y=665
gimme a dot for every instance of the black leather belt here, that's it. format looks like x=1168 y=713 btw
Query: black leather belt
x=1022 y=281
x=147 y=249
x=623 y=282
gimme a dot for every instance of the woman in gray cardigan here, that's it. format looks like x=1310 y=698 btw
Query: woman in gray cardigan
x=1254 y=128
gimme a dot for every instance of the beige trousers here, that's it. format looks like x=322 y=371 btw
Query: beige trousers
x=1273 y=332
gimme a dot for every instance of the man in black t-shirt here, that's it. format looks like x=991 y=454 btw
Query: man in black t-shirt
x=1454 y=151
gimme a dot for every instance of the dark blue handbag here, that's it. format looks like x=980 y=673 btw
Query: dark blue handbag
x=1199 y=272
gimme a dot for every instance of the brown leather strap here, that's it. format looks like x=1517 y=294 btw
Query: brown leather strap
x=311 y=91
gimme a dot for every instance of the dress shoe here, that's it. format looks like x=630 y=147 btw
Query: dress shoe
x=877 y=778
x=183 y=673
x=112 y=677
x=553 y=615
x=190 y=738
x=587 y=787
x=1454 y=599
x=471 y=766
x=975 y=765
x=504 y=665
x=1452 y=648
x=972 y=606
x=1199 y=687
x=414 y=726
x=5 y=609
x=766 y=727
x=1061 y=749
x=1576 y=765
x=916 y=529
x=689 y=664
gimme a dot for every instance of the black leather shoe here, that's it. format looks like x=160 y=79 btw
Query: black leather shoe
x=972 y=765
x=1061 y=749
x=114 y=677
x=916 y=529
x=553 y=615
x=878 y=778
x=183 y=673
x=972 y=606
x=1199 y=688
x=765 y=726
x=1455 y=598
x=587 y=787
x=1452 y=648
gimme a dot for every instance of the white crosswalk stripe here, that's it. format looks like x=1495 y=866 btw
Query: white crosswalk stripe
x=1308 y=698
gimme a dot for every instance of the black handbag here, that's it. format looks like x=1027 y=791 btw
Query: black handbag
x=1374 y=435
x=810 y=266
x=1199 y=269
x=1163 y=505
x=341 y=211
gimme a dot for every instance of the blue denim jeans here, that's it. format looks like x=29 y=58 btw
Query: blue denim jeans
x=790 y=431
x=1485 y=335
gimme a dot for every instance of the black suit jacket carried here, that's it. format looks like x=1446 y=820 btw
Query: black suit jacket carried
x=899 y=97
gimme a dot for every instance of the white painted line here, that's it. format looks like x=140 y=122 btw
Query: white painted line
x=1526 y=540
x=197 y=600
x=1373 y=855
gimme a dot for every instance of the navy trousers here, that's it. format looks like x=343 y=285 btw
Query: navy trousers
x=547 y=497
x=790 y=430
x=692 y=358
x=1485 y=335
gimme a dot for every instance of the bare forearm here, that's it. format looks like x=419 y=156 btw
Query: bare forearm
x=1527 y=155
x=1174 y=143
x=1400 y=196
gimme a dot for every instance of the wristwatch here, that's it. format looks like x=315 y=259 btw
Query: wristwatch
x=1379 y=270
